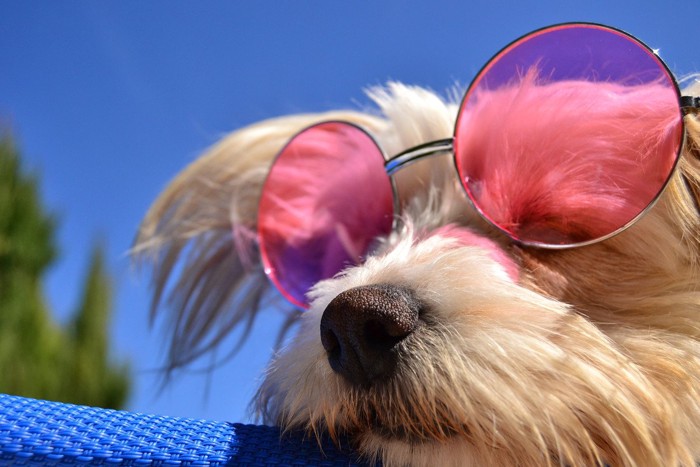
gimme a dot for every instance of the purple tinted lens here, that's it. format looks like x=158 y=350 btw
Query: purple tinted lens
x=325 y=200
x=568 y=134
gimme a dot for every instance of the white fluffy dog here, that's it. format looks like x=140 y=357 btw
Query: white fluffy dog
x=450 y=343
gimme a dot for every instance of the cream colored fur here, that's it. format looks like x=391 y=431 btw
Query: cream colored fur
x=593 y=356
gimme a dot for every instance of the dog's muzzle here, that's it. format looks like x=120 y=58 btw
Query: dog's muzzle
x=362 y=330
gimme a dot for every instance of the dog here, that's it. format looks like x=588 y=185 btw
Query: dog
x=445 y=341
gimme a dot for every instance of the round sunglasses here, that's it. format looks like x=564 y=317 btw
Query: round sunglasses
x=565 y=138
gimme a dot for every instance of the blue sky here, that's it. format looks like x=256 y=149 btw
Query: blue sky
x=109 y=100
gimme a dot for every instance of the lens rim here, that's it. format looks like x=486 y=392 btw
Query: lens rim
x=531 y=35
x=266 y=257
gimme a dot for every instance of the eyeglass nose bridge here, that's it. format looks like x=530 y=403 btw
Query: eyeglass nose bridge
x=416 y=153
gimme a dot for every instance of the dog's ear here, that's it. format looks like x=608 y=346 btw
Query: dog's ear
x=199 y=236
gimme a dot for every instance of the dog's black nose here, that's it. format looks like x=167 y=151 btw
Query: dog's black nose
x=361 y=327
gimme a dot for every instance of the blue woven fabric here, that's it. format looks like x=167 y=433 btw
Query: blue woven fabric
x=34 y=432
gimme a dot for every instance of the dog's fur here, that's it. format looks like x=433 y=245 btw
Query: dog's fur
x=578 y=357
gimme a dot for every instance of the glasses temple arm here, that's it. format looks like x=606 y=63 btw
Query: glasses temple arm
x=690 y=104
x=416 y=153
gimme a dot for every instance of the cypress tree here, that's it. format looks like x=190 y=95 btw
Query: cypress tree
x=38 y=357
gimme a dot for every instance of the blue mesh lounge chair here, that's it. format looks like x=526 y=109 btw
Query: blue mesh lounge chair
x=35 y=432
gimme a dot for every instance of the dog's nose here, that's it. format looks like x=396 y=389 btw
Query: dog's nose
x=361 y=327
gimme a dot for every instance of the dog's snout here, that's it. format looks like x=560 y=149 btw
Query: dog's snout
x=362 y=327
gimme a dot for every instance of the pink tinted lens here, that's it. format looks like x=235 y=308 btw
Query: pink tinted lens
x=568 y=134
x=325 y=200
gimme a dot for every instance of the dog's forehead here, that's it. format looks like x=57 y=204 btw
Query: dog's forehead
x=413 y=116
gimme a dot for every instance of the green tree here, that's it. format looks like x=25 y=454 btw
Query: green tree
x=39 y=358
